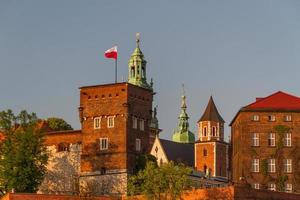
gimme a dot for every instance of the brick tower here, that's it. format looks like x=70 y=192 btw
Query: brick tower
x=211 y=151
x=117 y=126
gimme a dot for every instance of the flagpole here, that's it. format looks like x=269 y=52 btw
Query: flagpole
x=116 y=70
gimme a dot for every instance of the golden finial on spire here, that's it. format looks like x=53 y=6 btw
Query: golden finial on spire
x=137 y=36
x=183 y=104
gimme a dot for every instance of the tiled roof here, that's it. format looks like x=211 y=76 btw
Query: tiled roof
x=179 y=152
x=278 y=100
x=211 y=112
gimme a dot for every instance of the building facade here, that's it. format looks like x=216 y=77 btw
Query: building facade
x=265 y=138
x=211 y=151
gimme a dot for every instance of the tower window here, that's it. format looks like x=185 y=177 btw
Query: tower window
x=97 y=122
x=214 y=131
x=204 y=152
x=205 y=131
x=134 y=122
x=205 y=169
x=138 y=144
x=142 y=125
x=110 y=122
x=132 y=72
x=103 y=143
x=143 y=72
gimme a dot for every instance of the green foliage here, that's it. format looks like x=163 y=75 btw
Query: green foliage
x=23 y=154
x=264 y=167
x=281 y=182
x=167 y=181
x=142 y=160
x=280 y=130
x=58 y=124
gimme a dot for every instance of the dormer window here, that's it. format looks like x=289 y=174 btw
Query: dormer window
x=255 y=118
x=287 y=118
x=271 y=118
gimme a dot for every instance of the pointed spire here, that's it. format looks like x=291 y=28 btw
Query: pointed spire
x=211 y=112
x=182 y=133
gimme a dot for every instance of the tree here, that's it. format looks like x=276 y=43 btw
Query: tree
x=23 y=156
x=167 y=181
x=58 y=124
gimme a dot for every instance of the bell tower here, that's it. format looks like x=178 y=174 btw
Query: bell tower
x=211 y=151
x=137 y=67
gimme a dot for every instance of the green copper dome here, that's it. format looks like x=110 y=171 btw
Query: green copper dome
x=137 y=67
x=182 y=134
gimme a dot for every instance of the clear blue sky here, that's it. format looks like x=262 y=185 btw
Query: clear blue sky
x=233 y=50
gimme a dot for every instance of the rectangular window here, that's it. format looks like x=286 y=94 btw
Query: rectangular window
x=271 y=165
x=255 y=165
x=288 y=187
x=138 y=144
x=256 y=186
x=255 y=139
x=110 y=122
x=288 y=139
x=97 y=122
x=272 y=186
x=142 y=125
x=103 y=143
x=287 y=165
x=271 y=139
x=287 y=118
x=255 y=118
x=271 y=118
x=134 y=122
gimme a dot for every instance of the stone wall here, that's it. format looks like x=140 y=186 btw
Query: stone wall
x=62 y=171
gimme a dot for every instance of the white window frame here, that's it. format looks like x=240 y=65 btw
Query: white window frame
x=272 y=140
x=272 y=186
x=255 y=139
x=97 y=122
x=110 y=121
x=272 y=165
x=256 y=186
x=288 y=139
x=288 y=118
x=103 y=144
x=134 y=122
x=288 y=187
x=138 y=144
x=255 y=118
x=271 y=118
x=287 y=165
x=255 y=165
x=142 y=124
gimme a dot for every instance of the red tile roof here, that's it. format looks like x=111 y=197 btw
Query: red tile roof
x=278 y=101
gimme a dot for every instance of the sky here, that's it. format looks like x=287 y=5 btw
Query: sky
x=232 y=50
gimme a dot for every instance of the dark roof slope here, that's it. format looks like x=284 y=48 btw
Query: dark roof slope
x=179 y=152
x=211 y=112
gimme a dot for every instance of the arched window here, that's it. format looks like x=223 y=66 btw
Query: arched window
x=214 y=131
x=132 y=72
x=62 y=147
x=205 y=131
x=204 y=169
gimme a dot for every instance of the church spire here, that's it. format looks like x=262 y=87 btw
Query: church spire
x=137 y=67
x=182 y=133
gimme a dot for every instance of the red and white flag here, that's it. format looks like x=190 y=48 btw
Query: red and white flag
x=112 y=53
